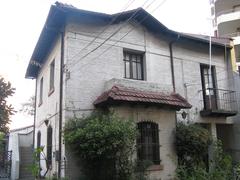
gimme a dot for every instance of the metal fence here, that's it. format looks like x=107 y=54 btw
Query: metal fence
x=218 y=99
x=5 y=164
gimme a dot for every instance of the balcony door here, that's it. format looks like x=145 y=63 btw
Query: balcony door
x=209 y=87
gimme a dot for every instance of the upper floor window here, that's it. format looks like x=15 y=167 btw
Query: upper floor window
x=148 y=142
x=133 y=64
x=41 y=92
x=209 y=86
x=51 y=80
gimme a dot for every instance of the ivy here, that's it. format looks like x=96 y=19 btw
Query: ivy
x=104 y=144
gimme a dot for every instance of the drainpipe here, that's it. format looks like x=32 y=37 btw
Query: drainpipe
x=34 y=117
x=171 y=61
x=61 y=103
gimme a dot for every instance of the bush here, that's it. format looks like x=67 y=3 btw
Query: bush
x=104 y=144
x=1 y=142
x=192 y=142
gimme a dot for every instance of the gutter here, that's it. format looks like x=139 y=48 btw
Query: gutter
x=171 y=61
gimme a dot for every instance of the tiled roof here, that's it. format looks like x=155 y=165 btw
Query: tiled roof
x=123 y=94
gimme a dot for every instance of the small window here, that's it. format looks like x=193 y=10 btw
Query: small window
x=49 y=146
x=41 y=92
x=38 y=139
x=38 y=143
x=51 y=80
x=133 y=63
x=148 y=142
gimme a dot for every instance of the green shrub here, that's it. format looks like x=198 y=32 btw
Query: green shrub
x=104 y=144
x=192 y=142
x=1 y=141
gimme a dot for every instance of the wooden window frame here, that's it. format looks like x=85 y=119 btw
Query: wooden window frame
x=214 y=84
x=131 y=62
x=41 y=92
x=51 y=77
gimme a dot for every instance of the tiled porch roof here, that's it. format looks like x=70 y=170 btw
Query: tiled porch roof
x=119 y=94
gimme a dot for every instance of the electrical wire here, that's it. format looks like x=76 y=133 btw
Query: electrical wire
x=101 y=32
x=114 y=33
x=127 y=32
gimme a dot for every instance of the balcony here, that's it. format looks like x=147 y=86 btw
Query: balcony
x=228 y=22
x=218 y=103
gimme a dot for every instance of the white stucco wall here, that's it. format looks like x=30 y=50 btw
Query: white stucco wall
x=49 y=109
x=88 y=75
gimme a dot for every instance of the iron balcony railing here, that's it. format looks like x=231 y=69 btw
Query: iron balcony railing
x=218 y=99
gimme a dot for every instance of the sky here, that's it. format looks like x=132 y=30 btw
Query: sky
x=22 y=22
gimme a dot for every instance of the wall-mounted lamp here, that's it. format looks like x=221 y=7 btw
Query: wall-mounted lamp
x=46 y=121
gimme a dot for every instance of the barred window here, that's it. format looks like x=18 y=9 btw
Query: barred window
x=49 y=145
x=148 y=142
x=133 y=63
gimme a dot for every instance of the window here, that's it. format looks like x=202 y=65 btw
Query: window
x=38 y=139
x=38 y=143
x=51 y=80
x=209 y=86
x=41 y=92
x=49 y=145
x=133 y=63
x=148 y=142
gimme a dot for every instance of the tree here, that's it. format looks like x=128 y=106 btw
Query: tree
x=29 y=106
x=6 y=110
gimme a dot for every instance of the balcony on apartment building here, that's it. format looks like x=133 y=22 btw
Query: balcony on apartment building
x=227 y=18
x=218 y=102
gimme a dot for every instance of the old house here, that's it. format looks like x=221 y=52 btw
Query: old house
x=132 y=63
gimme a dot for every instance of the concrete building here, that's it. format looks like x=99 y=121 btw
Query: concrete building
x=226 y=21
x=132 y=63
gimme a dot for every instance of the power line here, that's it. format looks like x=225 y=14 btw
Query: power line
x=108 y=25
x=114 y=33
x=129 y=30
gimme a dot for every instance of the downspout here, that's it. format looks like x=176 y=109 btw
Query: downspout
x=61 y=103
x=172 y=68
x=34 y=117
x=171 y=61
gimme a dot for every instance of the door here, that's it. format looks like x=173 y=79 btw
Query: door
x=209 y=87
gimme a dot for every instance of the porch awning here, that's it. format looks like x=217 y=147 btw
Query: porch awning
x=119 y=94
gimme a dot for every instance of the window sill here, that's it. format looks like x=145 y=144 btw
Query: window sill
x=50 y=92
x=157 y=167
x=134 y=79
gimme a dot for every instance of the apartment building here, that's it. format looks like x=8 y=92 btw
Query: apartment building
x=226 y=21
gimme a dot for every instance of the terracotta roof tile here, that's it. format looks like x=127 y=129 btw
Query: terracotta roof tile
x=119 y=94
